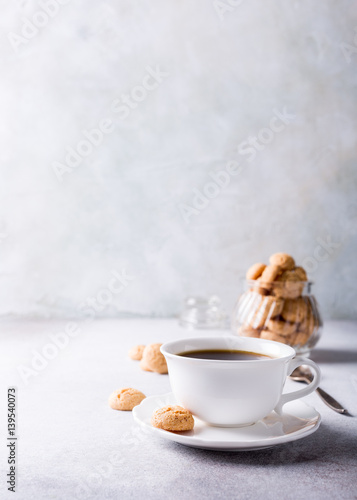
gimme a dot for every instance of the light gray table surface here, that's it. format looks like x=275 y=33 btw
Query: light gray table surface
x=72 y=445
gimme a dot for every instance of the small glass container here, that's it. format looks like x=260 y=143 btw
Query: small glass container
x=286 y=312
x=203 y=313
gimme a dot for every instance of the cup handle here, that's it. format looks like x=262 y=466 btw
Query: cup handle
x=294 y=363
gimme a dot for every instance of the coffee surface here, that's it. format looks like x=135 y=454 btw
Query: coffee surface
x=224 y=354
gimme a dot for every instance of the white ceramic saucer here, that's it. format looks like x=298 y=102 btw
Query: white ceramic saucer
x=299 y=420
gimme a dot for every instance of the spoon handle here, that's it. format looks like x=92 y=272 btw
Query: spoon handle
x=330 y=401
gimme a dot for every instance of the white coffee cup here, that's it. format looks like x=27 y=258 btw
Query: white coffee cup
x=231 y=393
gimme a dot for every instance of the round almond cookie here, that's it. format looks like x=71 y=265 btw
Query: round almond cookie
x=247 y=306
x=248 y=301
x=153 y=360
x=259 y=318
x=269 y=307
x=248 y=331
x=270 y=274
x=314 y=308
x=125 y=399
x=255 y=271
x=283 y=328
x=136 y=352
x=257 y=288
x=173 y=418
x=307 y=325
x=294 y=310
x=301 y=273
x=285 y=261
x=144 y=366
x=268 y=335
x=292 y=285
x=275 y=304
x=300 y=338
x=278 y=289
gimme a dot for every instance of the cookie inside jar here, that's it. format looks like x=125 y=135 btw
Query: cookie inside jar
x=278 y=305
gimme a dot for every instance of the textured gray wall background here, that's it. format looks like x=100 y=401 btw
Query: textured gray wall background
x=134 y=201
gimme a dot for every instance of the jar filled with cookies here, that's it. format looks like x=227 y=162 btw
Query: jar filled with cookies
x=278 y=305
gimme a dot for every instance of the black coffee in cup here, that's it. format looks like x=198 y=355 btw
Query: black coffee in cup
x=224 y=355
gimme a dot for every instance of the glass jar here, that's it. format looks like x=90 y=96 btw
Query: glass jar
x=204 y=313
x=286 y=312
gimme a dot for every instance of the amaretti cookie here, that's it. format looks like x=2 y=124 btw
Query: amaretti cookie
x=125 y=399
x=294 y=310
x=247 y=331
x=153 y=360
x=255 y=271
x=282 y=328
x=268 y=335
x=173 y=418
x=301 y=273
x=270 y=274
x=307 y=324
x=283 y=260
x=136 y=352
x=300 y=338
x=269 y=307
x=290 y=287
